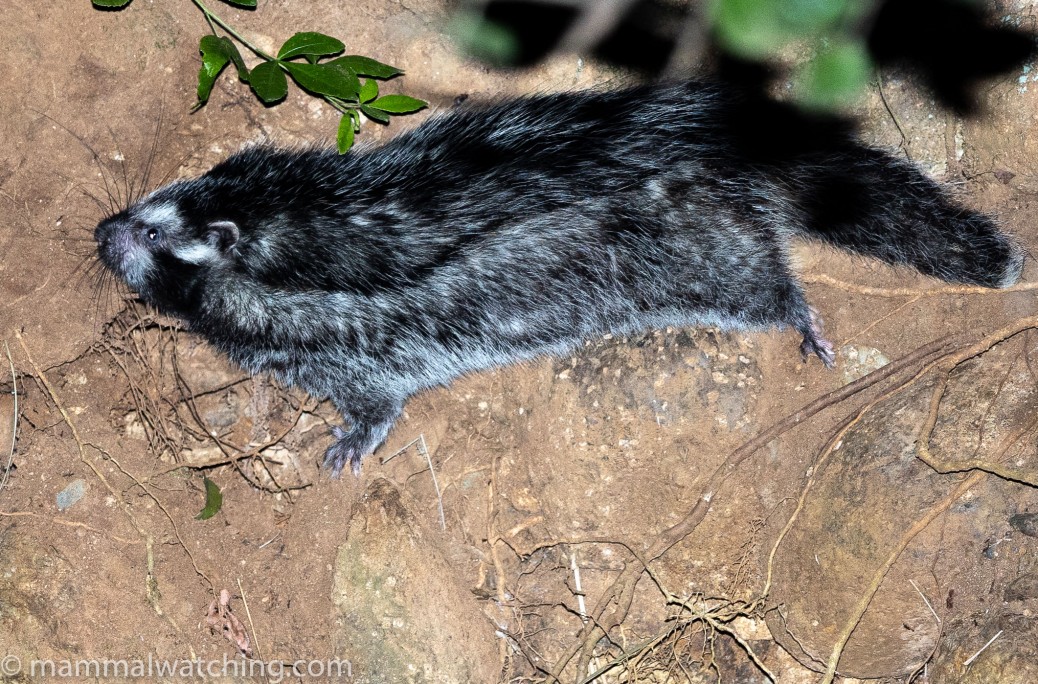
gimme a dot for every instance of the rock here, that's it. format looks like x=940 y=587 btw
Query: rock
x=1022 y=588
x=403 y=618
x=1012 y=658
x=870 y=493
x=1026 y=523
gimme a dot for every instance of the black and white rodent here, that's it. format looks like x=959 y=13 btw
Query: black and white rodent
x=497 y=233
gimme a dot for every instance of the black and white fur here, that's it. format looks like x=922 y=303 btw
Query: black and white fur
x=499 y=233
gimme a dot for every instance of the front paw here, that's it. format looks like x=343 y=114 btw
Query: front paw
x=349 y=447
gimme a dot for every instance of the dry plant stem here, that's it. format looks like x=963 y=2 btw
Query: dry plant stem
x=165 y=511
x=969 y=661
x=881 y=573
x=890 y=314
x=152 y=587
x=68 y=523
x=253 y=452
x=897 y=124
x=823 y=279
x=499 y=569
x=248 y=614
x=152 y=420
x=936 y=617
x=14 y=419
x=621 y=593
x=951 y=156
x=423 y=449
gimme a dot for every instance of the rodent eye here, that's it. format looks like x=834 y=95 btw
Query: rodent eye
x=153 y=234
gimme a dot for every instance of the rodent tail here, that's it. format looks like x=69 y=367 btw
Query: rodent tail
x=866 y=201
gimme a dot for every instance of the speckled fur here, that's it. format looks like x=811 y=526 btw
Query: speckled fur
x=499 y=233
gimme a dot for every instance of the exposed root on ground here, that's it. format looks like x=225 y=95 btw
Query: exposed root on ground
x=715 y=614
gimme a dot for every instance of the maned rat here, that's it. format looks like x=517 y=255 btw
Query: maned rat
x=496 y=233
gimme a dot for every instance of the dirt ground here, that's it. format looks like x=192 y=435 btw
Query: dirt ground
x=685 y=506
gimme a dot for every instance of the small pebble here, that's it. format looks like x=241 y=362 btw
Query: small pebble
x=68 y=496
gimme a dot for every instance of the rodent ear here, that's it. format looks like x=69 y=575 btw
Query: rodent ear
x=223 y=235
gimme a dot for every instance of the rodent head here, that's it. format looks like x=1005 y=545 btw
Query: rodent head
x=248 y=226
x=164 y=247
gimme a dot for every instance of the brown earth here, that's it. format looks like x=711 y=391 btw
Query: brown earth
x=554 y=482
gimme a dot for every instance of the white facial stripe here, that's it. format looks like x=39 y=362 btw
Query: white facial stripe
x=137 y=264
x=163 y=215
x=196 y=253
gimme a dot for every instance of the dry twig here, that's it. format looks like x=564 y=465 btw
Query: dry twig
x=14 y=418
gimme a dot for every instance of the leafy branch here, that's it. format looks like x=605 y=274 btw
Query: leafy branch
x=312 y=60
x=759 y=29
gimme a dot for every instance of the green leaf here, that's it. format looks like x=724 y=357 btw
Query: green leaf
x=750 y=28
x=344 y=140
x=369 y=91
x=239 y=63
x=812 y=17
x=365 y=66
x=111 y=4
x=374 y=114
x=242 y=3
x=325 y=80
x=484 y=39
x=213 y=500
x=758 y=28
x=214 y=59
x=398 y=104
x=836 y=76
x=310 y=43
x=268 y=82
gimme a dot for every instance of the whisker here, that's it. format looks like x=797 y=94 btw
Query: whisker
x=93 y=153
x=149 y=163
x=84 y=269
x=107 y=210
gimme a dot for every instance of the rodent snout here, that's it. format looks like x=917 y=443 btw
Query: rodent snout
x=114 y=237
x=103 y=232
x=104 y=236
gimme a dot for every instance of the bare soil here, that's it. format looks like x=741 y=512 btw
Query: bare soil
x=699 y=496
